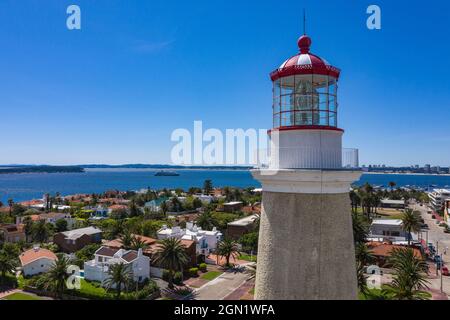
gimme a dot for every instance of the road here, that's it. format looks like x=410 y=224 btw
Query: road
x=441 y=241
x=222 y=286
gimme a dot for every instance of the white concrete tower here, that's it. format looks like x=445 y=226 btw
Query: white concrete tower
x=306 y=242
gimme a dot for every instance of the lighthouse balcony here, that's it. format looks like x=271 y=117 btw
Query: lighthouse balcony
x=313 y=158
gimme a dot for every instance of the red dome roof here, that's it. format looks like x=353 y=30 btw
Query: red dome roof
x=304 y=63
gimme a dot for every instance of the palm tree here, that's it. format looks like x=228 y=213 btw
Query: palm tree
x=10 y=204
x=411 y=222
x=119 y=276
x=172 y=256
x=360 y=227
x=409 y=275
x=363 y=253
x=163 y=206
x=205 y=221
x=228 y=248
x=137 y=243
x=392 y=184
x=7 y=264
x=28 y=227
x=126 y=238
x=361 y=277
x=207 y=186
x=57 y=276
x=40 y=231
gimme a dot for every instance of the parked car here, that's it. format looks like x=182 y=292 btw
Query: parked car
x=425 y=226
x=445 y=271
x=433 y=217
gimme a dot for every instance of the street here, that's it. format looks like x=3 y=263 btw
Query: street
x=222 y=286
x=441 y=241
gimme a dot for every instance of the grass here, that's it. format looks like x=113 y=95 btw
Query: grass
x=252 y=291
x=91 y=290
x=21 y=296
x=247 y=257
x=211 y=275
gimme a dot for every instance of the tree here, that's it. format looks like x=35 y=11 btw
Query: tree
x=138 y=243
x=163 y=206
x=126 y=238
x=7 y=264
x=8 y=259
x=205 y=220
x=411 y=222
x=363 y=253
x=61 y=225
x=249 y=241
x=392 y=184
x=10 y=204
x=228 y=248
x=57 y=276
x=207 y=186
x=40 y=231
x=361 y=278
x=119 y=276
x=360 y=227
x=172 y=256
x=409 y=275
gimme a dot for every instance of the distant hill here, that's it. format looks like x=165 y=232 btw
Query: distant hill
x=22 y=168
x=162 y=166
x=39 y=169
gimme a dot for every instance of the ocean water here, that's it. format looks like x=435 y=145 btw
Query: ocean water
x=22 y=187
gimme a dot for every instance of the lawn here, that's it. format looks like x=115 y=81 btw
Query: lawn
x=247 y=257
x=91 y=290
x=21 y=296
x=211 y=275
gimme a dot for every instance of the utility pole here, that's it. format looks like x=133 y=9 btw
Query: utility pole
x=442 y=262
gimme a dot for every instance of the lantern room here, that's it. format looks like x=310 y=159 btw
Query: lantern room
x=305 y=91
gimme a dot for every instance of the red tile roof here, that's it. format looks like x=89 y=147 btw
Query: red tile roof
x=35 y=254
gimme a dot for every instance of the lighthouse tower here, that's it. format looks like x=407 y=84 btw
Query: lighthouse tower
x=306 y=246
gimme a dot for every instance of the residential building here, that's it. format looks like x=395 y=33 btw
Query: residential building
x=381 y=251
x=388 y=229
x=437 y=197
x=233 y=206
x=206 y=241
x=238 y=228
x=392 y=204
x=12 y=232
x=97 y=269
x=36 y=260
x=74 y=240
x=152 y=247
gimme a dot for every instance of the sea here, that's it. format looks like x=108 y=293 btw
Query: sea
x=27 y=186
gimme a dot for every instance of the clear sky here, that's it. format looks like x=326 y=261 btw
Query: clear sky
x=114 y=91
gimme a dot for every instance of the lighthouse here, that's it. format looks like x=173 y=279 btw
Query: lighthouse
x=306 y=248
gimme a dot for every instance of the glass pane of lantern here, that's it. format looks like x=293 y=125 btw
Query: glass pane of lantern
x=276 y=88
x=287 y=85
x=320 y=84
x=332 y=118
x=323 y=118
x=276 y=105
x=332 y=87
x=332 y=103
x=276 y=120
x=303 y=118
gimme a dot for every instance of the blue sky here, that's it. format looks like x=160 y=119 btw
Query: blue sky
x=114 y=91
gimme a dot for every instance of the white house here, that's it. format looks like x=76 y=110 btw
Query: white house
x=104 y=257
x=206 y=240
x=204 y=197
x=437 y=198
x=36 y=260
x=389 y=229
